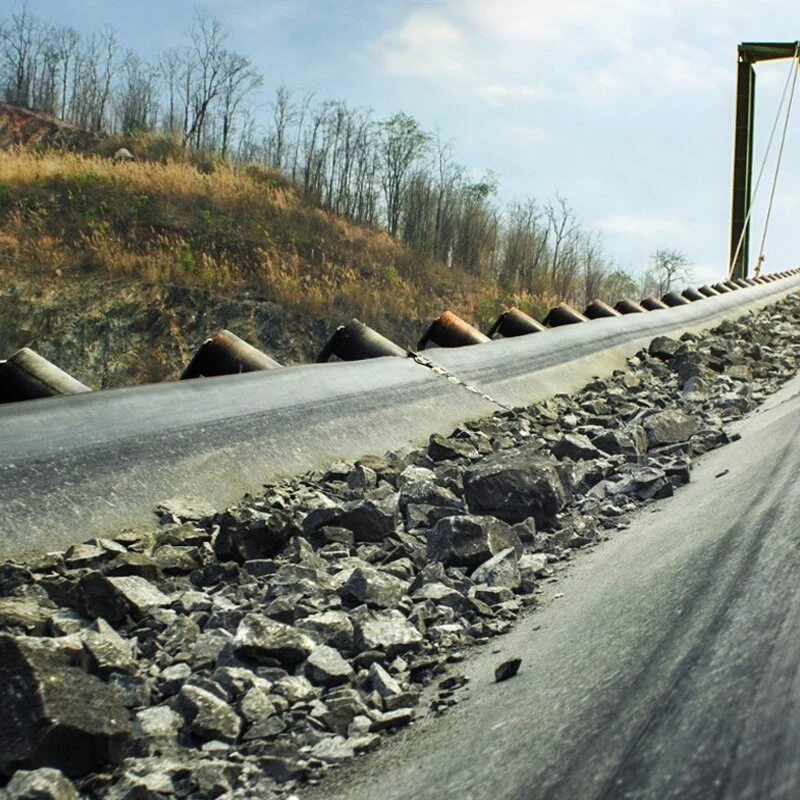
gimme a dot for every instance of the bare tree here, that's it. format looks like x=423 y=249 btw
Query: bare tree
x=204 y=76
x=667 y=268
x=240 y=80
x=137 y=96
x=19 y=41
x=284 y=115
x=65 y=47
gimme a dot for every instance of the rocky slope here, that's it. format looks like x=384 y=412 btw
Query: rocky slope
x=245 y=651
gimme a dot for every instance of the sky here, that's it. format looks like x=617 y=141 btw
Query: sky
x=624 y=107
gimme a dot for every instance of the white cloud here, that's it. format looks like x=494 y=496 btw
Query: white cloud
x=668 y=68
x=525 y=134
x=426 y=44
x=641 y=227
x=498 y=94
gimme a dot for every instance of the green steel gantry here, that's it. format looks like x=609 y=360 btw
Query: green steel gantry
x=749 y=54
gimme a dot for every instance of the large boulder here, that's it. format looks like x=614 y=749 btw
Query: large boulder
x=515 y=485
x=468 y=541
x=669 y=427
x=54 y=714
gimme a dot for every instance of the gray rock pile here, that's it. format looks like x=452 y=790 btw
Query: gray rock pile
x=240 y=653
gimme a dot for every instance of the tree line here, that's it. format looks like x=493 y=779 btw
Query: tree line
x=387 y=173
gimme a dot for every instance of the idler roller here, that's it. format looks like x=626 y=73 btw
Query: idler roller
x=28 y=376
x=597 y=309
x=673 y=299
x=357 y=341
x=628 y=306
x=652 y=303
x=708 y=291
x=226 y=354
x=692 y=294
x=515 y=323
x=450 y=330
x=563 y=314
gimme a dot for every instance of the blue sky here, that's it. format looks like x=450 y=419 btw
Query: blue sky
x=625 y=107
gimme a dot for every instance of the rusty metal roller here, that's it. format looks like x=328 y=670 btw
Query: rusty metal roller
x=652 y=303
x=597 y=309
x=515 y=323
x=27 y=376
x=732 y=285
x=357 y=341
x=692 y=294
x=741 y=282
x=673 y=299
x=563 y=314
x=226 y=354
x=628 y=306
x=708 y=291
x=723 y=288
x=450 y=330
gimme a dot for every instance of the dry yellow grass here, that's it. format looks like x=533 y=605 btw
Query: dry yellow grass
x=225 y=230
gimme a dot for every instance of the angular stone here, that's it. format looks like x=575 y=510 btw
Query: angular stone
x=362 y=478
x=669 y=427
x=55 y=715
x=370 y=521
x=333 y=628
x=115 y=598
x=293 y=579
x=172 y=560
x=575 y=446
x=387 y=631
x=14 y=578
x=391 y=719
x=208 y=716
x=508 y=669
x=372 y=586
x=296 y=689
x=333 y=750
x=247 y=534
x=630 y=441
x=188 y=508
x=325 y=667
x=44 y=783
x=664 y=348
x=500 y=570
x=259 y=637
x=25 y=614
x=428 y=493
x=158 y=724
x=646 y=483
x=442 y=448
x=468 y=541
x=515 y=485
x=106 y=650
x=414 y=474
x=442 y=595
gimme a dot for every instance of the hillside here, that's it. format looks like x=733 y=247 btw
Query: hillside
x=118 y=271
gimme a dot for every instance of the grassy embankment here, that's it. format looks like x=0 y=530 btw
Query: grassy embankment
x=66 y=217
